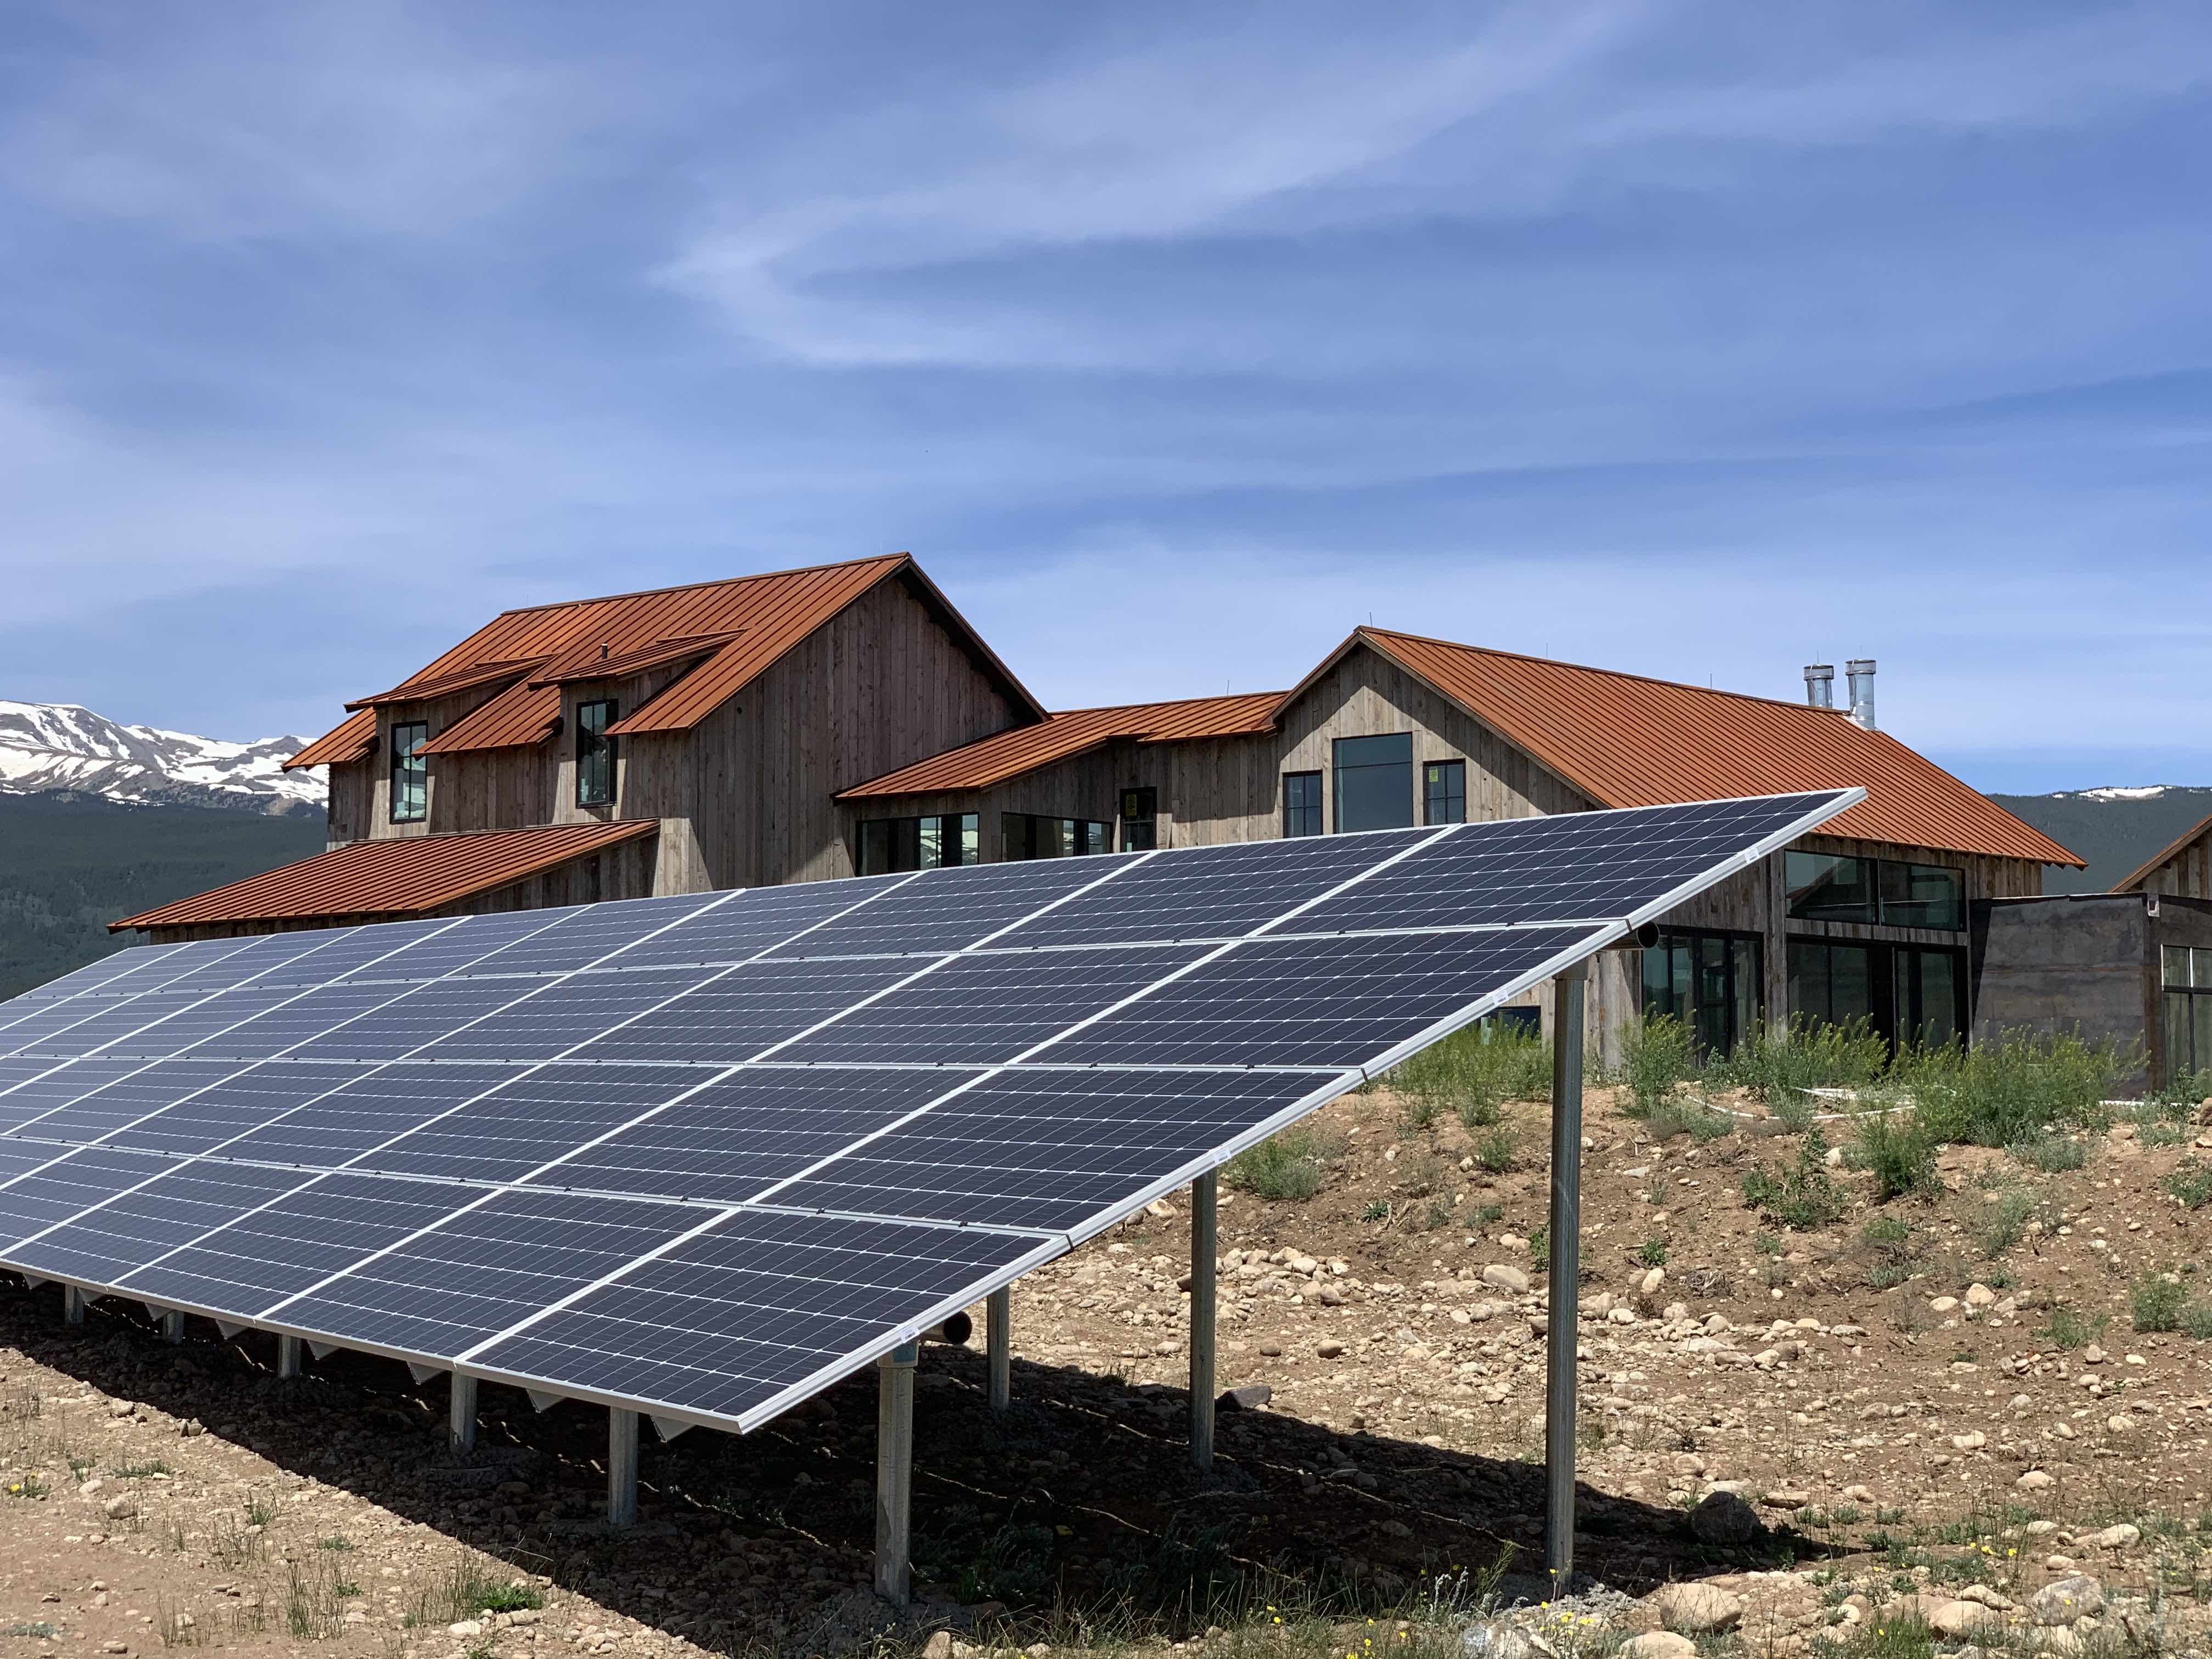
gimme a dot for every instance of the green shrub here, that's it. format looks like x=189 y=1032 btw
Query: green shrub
x=1493 y=1149
x=1778 y=1062
x=1683 y=1117
x=2053 y=1154
x=2157 y=1303
x=1658 y=1057
x=2011 y=1090
x=1888 y=1239
x=1540 y=1246
x=1474 y=1073
x=1899 y=1153
x=2196 y=1321
x=1651 y=1253
x=2005 y=1223
x=2192 y=1182
x=2068 y=1327
x=1287 y=1165
x=1800 y=1198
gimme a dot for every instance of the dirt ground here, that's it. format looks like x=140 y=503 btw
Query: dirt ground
x=1941 y=1413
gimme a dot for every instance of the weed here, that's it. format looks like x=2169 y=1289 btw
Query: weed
x=2196 y=1321
x=145 y=1471
x=259 y=1512
x=1420 y=1176
x=2010 y=1091
x=462 y=1592
x=1680 y=1116
x=1888 y=1240
x=1484 y=1215
x=1658 y=1057
x=1778 y=1062
x=312 y=1613
x=1472 y=1073
x=37 y=1631
x=2068 y=1327
x=1374 y=1210
x=2053 y=1154
x=1651 y=1253
x=29 y=1485
x=2157 y=1302
x=1289 y=1165
x=1801 y=1198
x=1494 y=1150
x=1540 y=1246
x=1899 y=1154
x=334 y=1543
x=2005 y=1222
x=2192 y=1182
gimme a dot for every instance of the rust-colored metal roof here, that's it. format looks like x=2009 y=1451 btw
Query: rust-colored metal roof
x=348 y=741
x=1624 y=740
x=416 y=691
x=762 y=616
x=2134 y=883
x=403 y=876
x=606 y=664
x=1009 y=754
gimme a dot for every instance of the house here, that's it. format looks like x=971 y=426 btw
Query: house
x=844 y=720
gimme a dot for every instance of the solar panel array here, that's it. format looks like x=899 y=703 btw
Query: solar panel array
x=703 y=1155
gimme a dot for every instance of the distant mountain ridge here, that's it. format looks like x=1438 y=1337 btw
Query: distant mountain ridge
x=61 y=748
x=2117 y=827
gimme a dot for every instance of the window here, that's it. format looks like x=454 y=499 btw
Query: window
x=1833 y=887
x=1831 y=984
x=595 y=753
x=1710 y=982
x=1911 y=995
x=1301 y=804
x=2188 y=979
x=1026 y=835
x=1140 y=813
x=1374 y=782
x=410 y=772
x=888 y=845
x=1928 y=983
x=1444 y=792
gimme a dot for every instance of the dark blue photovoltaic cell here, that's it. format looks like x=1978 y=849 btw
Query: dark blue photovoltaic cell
x=726 y=1322
x=454 y=950
x=139 y=1227
x=16 y=1074
x=50 y=1025
x=426 y=1014
x=593 y=932
x=557 y=1014
x=32 y=1202
x=305 y=956
x=211 y=1027
x=187 y=1107
x=325 y=1225
x=93 y=1022
x=21 y=1157
x=149 y=1088
x=1033 y=1148
x=55 y=1084
x=1209 y=892
x=754 y=921
x=106 y=977
x=740 y=1012
x=949 y=909
x=489 y=1268
x=346 y=1111
x=1312 y=1002
x=308 y=1013
x=979 y=1010
x=732 y=1140
x=1572 y=866
x=533 y=1118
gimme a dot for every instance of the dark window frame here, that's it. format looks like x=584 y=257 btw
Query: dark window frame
x=886 y=847
x=1359 y=778
x=410 y=772
x=1019 y=838
x=1141 y=818
x=1302 y=796
x=1444 y=781
x=1875 y=878
x=2184 y=1010
x=595 y=753
x=1739 y=1014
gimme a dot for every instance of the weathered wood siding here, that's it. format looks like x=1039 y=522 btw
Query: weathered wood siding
x=2186 y=872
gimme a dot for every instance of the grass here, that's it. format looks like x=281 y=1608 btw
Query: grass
x=1472 y=1074
x=464 y=1590
x=1290 y=1165
x=1778 y=1063
x=2068 y=1327
x=2192 y=1182
x=2016 y=1088
x=2005 y=1222
x=2053 y=1154
x=1800 y=1197
x=1896 y=1151
x=2157 y=1302
x=1494 y=1148
x=1658 y=1057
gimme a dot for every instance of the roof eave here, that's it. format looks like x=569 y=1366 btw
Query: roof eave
x=2133 y=882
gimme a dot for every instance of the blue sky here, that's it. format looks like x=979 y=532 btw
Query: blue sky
x=1701 y=340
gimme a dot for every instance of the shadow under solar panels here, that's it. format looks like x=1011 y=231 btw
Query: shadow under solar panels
x=1050 y=1148
x=728 y=1321
x=737 y=1137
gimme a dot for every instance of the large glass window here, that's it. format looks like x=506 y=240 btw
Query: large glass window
x=1444 y=792
x=1710 y=982
x=410 y=772
x=1027 y=836
x=1140 y=819
x=925 y=843
x=595 y=753
x=1831 y=984
x=2187 y=981
x=1835 y=887
x=1928 y=983
x=1301 y=804
x=1374 y=782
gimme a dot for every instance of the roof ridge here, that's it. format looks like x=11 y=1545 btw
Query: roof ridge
x=1158 y=702
x=715 y=581
x=1610 y=673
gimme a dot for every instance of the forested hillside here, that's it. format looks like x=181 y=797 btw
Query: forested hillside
x=71 y=864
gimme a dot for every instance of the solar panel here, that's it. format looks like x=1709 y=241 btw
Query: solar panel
x=702 y=1155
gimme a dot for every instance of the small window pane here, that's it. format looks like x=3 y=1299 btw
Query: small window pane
x=1830 y=887
x=595 y=753
x=1301 y=804
x=1374 y=782
x=1444 y=792
x=410 y=772
x=2176 y=965
x=1922 y=895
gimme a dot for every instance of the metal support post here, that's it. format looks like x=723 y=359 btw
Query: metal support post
x=622 y=1467
x=1204 y=1284
x=288 y=1356
x=998 y=1341
x=72 y=1305
x=894 y=1470
x=1561 y=1343
x=172 y=1326
x=461 y=1413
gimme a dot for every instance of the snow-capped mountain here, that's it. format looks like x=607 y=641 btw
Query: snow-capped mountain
x=47 y=747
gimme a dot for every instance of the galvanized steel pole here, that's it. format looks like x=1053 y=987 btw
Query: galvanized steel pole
x=1203 y=1284
x=461 y=1411
x=72 y=1305
x=622 y=1467
x=999 y=1341
x=1564 y=1276
x=288 y=1356
x=172 y=1326
x=894 y=1470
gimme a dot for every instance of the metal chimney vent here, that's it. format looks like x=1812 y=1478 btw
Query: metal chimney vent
x=1861 y=672
x=1820 y=684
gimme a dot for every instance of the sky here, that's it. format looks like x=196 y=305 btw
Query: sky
x=1702 y=341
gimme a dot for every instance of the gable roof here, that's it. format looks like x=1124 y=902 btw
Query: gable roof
x=735 y=629
x=2133 y=884
x=1624 y=740
x=402 y=877
x=1009 y=754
